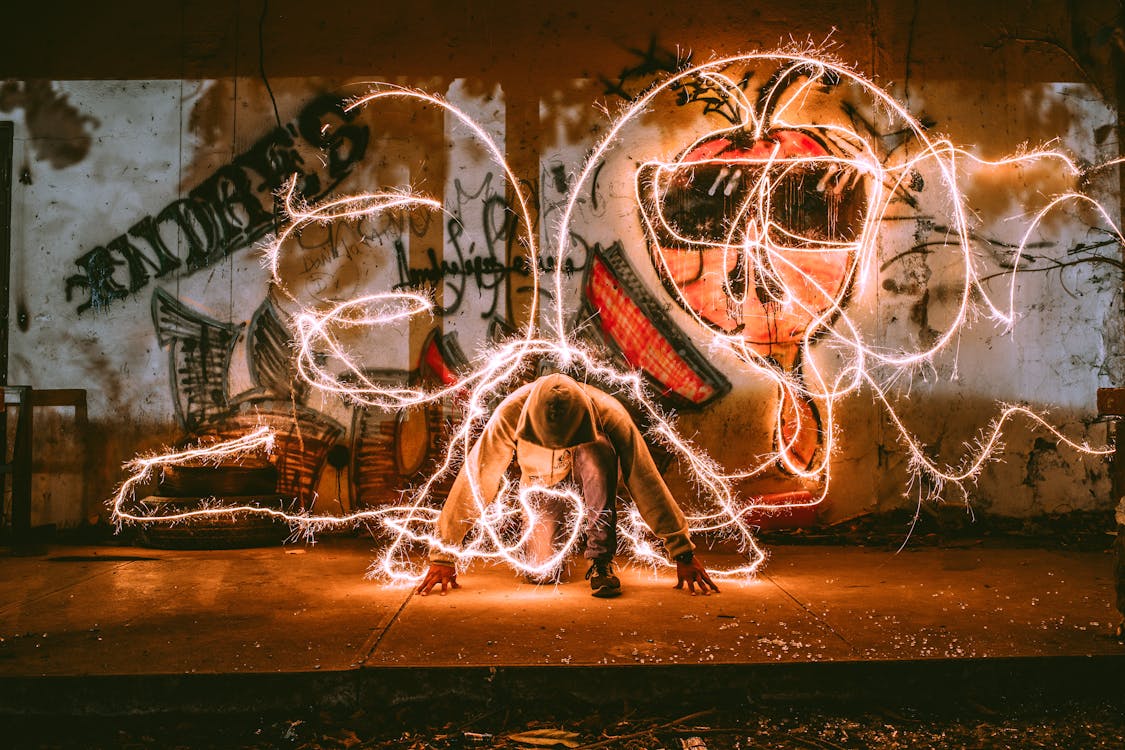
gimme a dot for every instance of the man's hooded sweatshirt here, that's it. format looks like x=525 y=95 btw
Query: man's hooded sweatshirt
x=541 y=423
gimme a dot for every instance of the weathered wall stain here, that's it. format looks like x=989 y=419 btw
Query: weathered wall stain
x=920 y=317
x=23 y=319
x=568 y=110
x=60 y=132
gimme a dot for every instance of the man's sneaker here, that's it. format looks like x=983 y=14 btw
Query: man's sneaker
x=602 y=580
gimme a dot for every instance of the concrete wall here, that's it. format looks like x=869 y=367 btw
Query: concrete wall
x=142 y=184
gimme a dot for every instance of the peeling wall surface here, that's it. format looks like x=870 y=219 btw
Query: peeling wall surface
x=141 y=203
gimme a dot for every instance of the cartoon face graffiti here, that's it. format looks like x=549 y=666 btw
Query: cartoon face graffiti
x=755 y=231
x=756 y=235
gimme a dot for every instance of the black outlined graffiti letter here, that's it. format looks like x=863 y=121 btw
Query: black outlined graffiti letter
x=199 y=352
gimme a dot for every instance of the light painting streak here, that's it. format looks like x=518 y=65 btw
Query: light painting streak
x=752 y=238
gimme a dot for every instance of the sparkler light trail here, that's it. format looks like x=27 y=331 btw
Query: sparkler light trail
x=758 y=281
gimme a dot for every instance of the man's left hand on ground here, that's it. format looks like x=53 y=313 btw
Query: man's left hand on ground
x=692 y=572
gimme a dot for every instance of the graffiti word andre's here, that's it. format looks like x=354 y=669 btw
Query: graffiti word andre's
x=230 y=210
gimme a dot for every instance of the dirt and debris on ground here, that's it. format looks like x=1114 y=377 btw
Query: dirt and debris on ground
x=928 y=525
x=957 y=526
x=745 y=728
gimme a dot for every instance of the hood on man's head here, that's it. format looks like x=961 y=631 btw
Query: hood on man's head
x=557 y=414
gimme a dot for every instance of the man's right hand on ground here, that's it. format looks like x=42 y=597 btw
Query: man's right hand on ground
x=690 y=571
x=442 y=573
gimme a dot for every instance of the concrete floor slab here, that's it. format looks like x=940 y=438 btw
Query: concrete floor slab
x=26 y=580
x=955 y=603
x=496 y=618
x=105 y=629
x=95 y=611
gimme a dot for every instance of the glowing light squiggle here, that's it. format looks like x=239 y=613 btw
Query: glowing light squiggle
x=752 y=238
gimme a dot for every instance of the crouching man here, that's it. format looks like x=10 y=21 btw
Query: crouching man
x=558 y=428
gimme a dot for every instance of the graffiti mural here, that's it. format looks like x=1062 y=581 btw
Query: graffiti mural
x=715 y=241
x=199 y=357
x=751 y=228
x=235 y=207
x=230 y=210
x=630 y=319
x=381 y=451
x=393 y=450
x=387 y=450
x=747 y=213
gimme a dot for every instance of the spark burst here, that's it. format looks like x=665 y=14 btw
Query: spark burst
x=751 y=238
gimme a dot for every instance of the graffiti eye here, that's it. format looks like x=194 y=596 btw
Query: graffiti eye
x=817 y=204
x=714 y=204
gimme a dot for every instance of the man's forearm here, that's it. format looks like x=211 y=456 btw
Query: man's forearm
x=485 y=465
